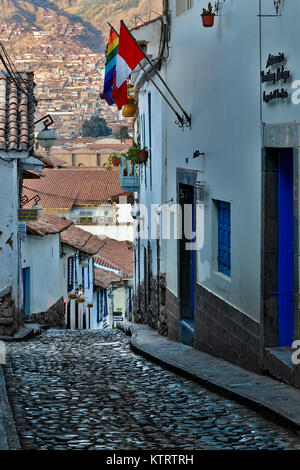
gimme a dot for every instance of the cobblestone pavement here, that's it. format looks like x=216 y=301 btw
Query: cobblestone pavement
x=88 y=390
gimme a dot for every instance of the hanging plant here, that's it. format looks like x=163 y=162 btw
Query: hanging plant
x=136 y=155
x=143 y=155
x=208 y=17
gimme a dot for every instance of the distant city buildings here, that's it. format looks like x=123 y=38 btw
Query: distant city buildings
x=68 y=75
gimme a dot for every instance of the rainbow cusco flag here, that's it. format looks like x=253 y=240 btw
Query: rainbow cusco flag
x=110 y=67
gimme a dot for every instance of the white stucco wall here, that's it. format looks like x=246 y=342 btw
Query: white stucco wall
x=117 y=232
x=9 y=227
x=215 y=74
x=42 y=256
x=152 y=187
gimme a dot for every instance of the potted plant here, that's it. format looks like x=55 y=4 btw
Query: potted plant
x=208 y=17
x=143 y=154
x=136 y=155
x=80 y=300
x=114 y=159
x=72 y=296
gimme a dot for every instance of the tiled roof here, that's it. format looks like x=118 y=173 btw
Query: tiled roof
x=16 y=114
x=103 y=278
x=51 y=162
x=48 y=224
x=61 y=188
x=82 y=240
x=116 y=255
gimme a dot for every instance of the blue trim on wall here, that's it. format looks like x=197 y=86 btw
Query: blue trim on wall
x=224 y=238
x=286 y=249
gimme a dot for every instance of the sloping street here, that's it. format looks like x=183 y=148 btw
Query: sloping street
x=88 y=390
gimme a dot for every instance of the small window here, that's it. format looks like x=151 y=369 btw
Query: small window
x=182 y=6
x=224 y=238
x=70 y=281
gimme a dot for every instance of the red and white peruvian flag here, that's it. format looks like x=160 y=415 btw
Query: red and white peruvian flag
x=129 y=56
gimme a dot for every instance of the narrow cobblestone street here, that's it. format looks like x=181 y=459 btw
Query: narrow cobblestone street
x=88 y=390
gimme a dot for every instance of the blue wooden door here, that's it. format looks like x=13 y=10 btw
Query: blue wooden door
x=187 y=265
x=26 y=290
x=286 y=249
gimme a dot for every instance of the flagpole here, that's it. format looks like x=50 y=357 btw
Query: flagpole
x=180 y=120
x=188 y=118
x=112 y=28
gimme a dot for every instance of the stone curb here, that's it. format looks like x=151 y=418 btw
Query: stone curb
x=26 y=333
x=272 y=399
x=9 y=439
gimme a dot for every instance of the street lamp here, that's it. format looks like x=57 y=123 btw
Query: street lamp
x=46 y=137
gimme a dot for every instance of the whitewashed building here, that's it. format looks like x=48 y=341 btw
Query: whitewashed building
x=149 y=260
x=16 y=157
x=237 y=166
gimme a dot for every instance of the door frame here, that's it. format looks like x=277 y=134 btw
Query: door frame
x=286 y=291
x=26 y=274
x=269 y=327
x=187 y=177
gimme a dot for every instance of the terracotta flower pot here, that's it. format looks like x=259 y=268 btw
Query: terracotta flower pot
x=125 y=173
x=143 y=155
x=208 y=20
x=72 y=296
x=116 y=162
x=80 y=301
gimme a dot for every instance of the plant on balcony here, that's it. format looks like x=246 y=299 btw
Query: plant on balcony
x=208 y=17
x=113 y=161
x=136 y=155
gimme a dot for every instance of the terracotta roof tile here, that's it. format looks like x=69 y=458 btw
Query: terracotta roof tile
x=16 y=114
x=75 y=237
x=48 y=224
x=104 y=278
x=81 y=240
x=61 y=188
x=116 y=255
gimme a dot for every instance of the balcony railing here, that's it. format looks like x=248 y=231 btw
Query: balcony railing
x=129 y=176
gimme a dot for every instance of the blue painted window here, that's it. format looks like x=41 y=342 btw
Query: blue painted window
x=75 y=269
x=98 y=307
x=224 y=238
x=70 y=280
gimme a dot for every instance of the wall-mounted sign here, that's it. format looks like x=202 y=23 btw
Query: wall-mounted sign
x=22 y=228
x=275 y=59
x=274 y=77
x=22 y=231
x=26 y=215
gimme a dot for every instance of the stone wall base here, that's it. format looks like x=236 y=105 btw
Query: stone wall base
x=153 y=312
x=8 y=316
x=220 y=329
x=54 y=317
